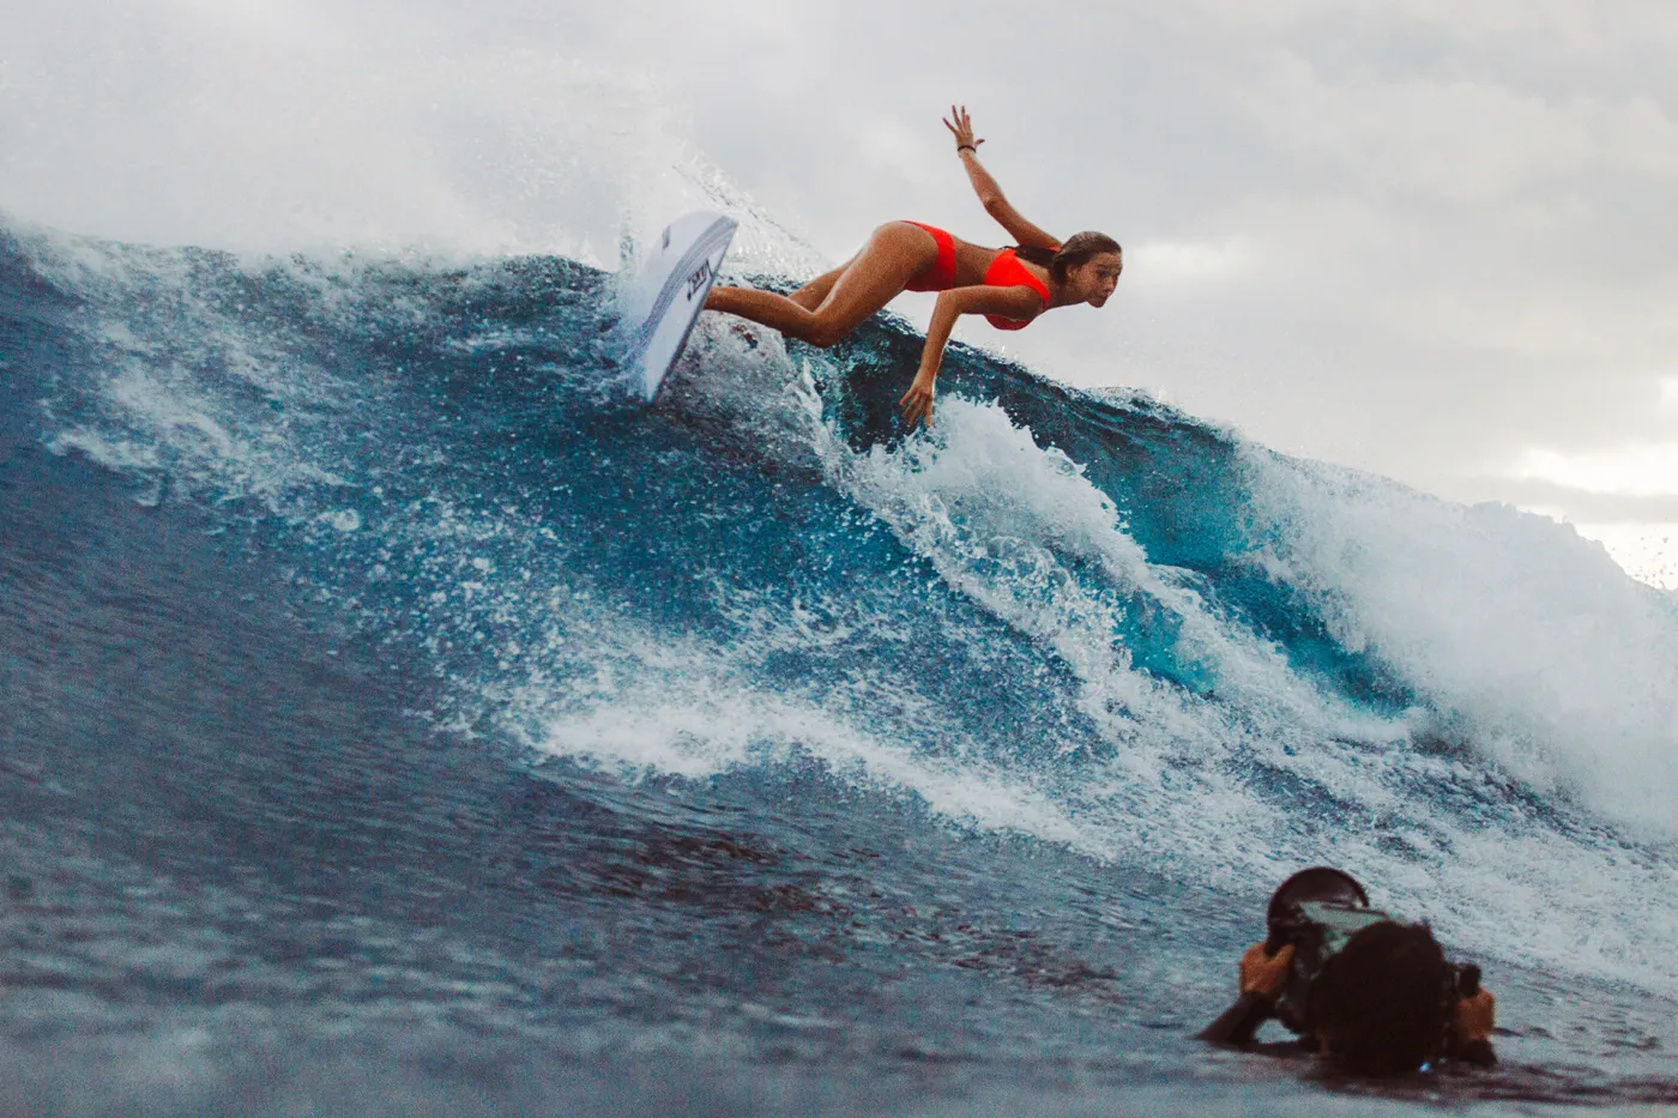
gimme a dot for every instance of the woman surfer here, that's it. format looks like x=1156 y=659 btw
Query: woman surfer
x=1009 y=286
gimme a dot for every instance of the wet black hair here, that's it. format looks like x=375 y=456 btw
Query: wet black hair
x=1078 y=249
x=1382 y=1004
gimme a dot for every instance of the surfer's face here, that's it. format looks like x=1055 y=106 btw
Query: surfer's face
x=1094 y=280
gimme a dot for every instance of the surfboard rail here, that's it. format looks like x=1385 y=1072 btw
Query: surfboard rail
x=663 y=301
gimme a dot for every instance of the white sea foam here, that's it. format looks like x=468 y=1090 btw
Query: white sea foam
x=684 y=709
x=1528 y=642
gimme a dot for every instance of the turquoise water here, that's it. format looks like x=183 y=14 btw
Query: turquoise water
x=400 y=720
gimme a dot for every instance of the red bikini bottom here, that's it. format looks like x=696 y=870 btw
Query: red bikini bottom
x=940 y=275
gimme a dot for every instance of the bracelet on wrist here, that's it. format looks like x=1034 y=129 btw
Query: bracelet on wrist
x=966 y=147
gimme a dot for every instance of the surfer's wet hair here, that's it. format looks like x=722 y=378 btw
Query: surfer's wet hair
x=1079 y=248
x=1382 y=1004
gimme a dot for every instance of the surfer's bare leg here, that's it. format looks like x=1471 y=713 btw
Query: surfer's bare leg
x=810 y=296
x=772 y=310
x=894 y=255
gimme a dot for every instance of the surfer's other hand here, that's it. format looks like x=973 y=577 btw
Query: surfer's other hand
x=961 y=126
x=917 y=402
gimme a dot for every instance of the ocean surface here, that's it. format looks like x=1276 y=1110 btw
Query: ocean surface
x=396 y=718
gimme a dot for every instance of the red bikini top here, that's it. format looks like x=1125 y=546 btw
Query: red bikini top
x=1007 y=271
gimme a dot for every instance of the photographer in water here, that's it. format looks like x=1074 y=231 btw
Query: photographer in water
x=1373 y=995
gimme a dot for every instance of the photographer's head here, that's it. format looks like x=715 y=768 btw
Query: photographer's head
x=1382 y=1003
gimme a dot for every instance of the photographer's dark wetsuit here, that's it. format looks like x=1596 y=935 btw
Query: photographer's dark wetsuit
x=1356 y=984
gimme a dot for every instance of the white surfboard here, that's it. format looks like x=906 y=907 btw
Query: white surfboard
x=662 y=302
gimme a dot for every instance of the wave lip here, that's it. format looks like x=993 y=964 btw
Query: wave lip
x=1522 y=640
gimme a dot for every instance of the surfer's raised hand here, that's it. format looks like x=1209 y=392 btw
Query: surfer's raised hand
x=961 y=127
x=917 y=402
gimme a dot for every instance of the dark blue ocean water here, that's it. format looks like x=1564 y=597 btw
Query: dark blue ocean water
x=397 y=719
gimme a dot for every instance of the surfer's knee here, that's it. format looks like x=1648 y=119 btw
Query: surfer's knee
x=825 y=334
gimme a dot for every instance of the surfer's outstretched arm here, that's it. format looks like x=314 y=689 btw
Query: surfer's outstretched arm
x=1021 y=303
x=995 y=203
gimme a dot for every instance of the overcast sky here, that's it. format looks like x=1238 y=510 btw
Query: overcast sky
x=1434 y=240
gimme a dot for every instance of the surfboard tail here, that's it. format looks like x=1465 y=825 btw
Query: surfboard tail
x=664 y=300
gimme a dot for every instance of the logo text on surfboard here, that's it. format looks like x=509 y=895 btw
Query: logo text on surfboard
x=701 y=277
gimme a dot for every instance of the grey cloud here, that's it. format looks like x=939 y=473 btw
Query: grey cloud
x=1579 y=507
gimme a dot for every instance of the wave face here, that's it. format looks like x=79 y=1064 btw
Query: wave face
x=375 y=659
